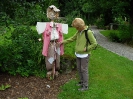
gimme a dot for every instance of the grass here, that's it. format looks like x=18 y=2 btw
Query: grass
x=108 y=32
x=110 y=77
x=105 y=32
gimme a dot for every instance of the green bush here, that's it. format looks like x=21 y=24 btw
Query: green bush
x=67 y=63
x=125 y=33
x=70 y=17
x=21 y=52
x=113 y=35
x=23 y=55
x=5 y=20
x=31 y=16
x=100 y=23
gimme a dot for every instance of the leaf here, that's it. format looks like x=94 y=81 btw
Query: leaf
x=4 y=87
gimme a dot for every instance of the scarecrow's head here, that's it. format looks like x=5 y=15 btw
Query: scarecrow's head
x=52 y=12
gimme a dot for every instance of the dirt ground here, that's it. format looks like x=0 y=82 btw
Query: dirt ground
x=33 y=87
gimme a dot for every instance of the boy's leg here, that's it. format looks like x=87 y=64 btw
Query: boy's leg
x=78 y=61
x=84 y=71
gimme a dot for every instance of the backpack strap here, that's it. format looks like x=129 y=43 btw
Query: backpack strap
x=86 y=36
x=87 y=39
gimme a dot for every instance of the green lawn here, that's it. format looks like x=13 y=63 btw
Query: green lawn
x=110 y=76
x=107 y=33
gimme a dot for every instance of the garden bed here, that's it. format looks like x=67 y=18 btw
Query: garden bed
x=33 y=87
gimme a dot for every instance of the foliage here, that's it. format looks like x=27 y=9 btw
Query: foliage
x=21 y=52
x=125 y=34
x=100 y=23
x=113 y=35
x=119 y=20
x=121 y=7
x=108 y=79
x=70 y=17
x=23 y=98
x=23 y=55
x=81 y=11
x=67 y=63
x=31 y=16
x=5 y=20
x=31 y=11
x=4 y=87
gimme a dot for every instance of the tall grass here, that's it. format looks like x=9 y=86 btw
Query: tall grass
x=110 y=77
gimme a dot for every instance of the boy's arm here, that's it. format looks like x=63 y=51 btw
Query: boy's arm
x=92 y=40
x=71 y=39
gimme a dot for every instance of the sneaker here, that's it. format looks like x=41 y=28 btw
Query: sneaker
x=84 y=88
x=79 y=84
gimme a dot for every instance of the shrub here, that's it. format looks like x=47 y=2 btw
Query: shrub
x=125 y=34
x=23 y=55
x=31 y=16
x=67 y=63
x=113 y=35
x=100 y=23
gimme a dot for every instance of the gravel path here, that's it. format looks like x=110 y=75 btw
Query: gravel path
x=118 y=48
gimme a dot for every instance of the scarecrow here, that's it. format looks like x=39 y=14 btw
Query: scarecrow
x=52 y=33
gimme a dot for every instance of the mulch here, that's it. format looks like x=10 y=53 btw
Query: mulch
x=33 y=87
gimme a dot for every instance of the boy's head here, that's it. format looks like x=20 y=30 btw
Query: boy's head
x=52 y=12
x=79 y=24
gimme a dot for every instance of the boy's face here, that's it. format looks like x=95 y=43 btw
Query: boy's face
x=78 y=24
x=79 y=28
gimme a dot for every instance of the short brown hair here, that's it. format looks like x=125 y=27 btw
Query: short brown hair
x=78 y=22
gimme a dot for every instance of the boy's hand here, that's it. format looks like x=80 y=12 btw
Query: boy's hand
x=85 y=49
x=59 y=43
